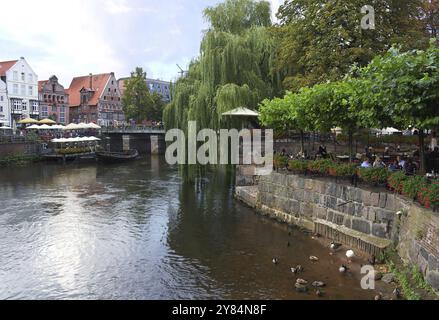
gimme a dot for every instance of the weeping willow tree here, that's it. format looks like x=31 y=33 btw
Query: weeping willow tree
x=233 y=69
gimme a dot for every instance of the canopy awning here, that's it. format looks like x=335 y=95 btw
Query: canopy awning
x=47 y=121
x=28 y=121
x=241 y=112
x=73 y=140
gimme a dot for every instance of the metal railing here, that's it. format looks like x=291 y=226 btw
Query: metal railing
x=157 y=130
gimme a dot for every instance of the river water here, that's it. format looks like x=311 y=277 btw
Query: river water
x=135 y=231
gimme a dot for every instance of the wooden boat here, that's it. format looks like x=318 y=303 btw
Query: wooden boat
x=117 y=156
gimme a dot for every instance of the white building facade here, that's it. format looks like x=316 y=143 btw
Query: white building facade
x=5 y=112
x=22 y=90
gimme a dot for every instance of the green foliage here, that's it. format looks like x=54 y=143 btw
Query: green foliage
x=404 y=281
x=319 y=40
x=280 y=161
x=411 y=186
x=345 y=170
x=319 y=166
x=298 y=166
x=233 y=69
x=374 y=175
x=138 y=102
x=396 y=181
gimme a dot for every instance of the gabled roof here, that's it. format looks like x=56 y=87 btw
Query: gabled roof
x=99 y=81
x=5 y=66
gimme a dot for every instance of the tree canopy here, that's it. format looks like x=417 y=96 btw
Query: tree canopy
x=320 y=40
x=138 y=102
x=233 y=69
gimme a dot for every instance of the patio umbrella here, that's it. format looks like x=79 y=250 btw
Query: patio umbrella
x=28 y=121
x=93 y=126
x=36 y=127
x=44 y=127
x=71 y=126
x=47 y=121
x=241 y=112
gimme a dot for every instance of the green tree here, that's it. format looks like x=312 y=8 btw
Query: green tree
x=233 y=69
x=138 y=102
x=403 y=90
x=320 y=40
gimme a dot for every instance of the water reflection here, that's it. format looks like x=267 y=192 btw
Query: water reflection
x=135 y=231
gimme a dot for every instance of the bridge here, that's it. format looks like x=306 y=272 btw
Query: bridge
x=146 y=140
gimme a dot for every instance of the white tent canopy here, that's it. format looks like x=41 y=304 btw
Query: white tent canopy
x=73 y=140
x=241 y=112
x=82 y=126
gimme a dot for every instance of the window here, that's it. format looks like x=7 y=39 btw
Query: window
x=23 y=77
x=112 y=82
x=53 y=108
x=31 y=90
x=109 y=89
x=23 y=105
x=1 y=98
x=15 y=76
x=15 y=89
x=35 y=106
x=23 y=90
x=31 y=77
x=44 y=113
x=1 y=108
x=17 y=105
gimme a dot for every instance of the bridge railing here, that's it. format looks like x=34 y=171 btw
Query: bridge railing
x=133 y=130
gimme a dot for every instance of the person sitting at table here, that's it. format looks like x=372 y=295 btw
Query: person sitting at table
x=410 y=168
x=394 y=166
x=322 y=152
x=379 y=163
x=401 y=161
x=366 y=163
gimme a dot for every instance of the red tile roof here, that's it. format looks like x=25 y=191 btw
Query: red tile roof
x=5 y=66
x=41 y=84
x=99 y=81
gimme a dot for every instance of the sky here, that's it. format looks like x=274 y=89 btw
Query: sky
x=69 y=38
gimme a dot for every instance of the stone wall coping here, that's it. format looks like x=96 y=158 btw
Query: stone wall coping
x=377 y=242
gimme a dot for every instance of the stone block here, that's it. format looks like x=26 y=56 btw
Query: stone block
x=342 y=192
x=299 y=195
x=309 y=184
x=361 y=226
x=433 y=279
x=294 y=206
x=358 y=209
x=339 y=219
x=383 y=200
x=348 y=222
x=331 y=203
x=320 y=212
x=433 y=263
x=385 y=216
x=374 y=199
x=331 y=215
x=331 y=189
x=391 y=203
x=424 y=253
x=306 y=210
x=365 y=197
x=379 y=230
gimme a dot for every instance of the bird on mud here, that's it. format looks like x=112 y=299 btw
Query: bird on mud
x=350 y=255
x=343 y=269
x=297 y=269
x=275 y=261
x=335 y=246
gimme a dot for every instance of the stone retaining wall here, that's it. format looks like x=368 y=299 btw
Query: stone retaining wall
x=379 y=219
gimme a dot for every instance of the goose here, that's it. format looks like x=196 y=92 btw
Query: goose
x=396 y=293
x=301 y=282
x=343 y=269
x=275 y=261
x=350 y=254
x=297 y=269
x=313 y=258
x=379 y=297
x=319 y=293
x=335 y=246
